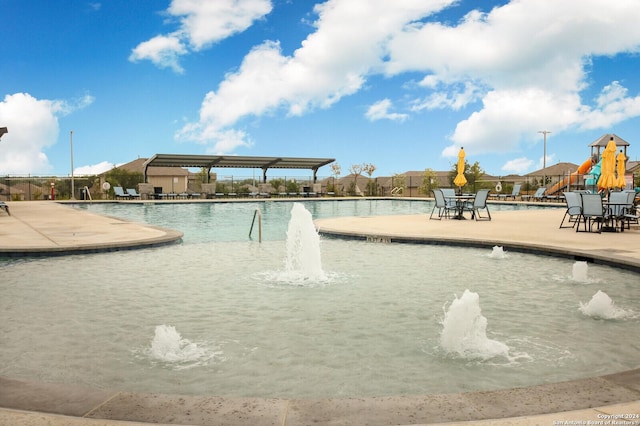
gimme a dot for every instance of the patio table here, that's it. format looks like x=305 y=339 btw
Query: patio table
x=460 y=201
x=613 y=219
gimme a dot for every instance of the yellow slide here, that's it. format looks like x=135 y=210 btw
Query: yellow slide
x=582 y=170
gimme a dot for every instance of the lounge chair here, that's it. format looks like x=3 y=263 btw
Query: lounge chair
x=479 y=203
x=441 y=205
x=592 y=211
x=120 y=194
x=514 y=193
x=4 y=206
x=133 y=193
x=574 y=209
x=539 y=194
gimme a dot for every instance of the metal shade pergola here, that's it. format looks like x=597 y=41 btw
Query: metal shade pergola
x=236 y=162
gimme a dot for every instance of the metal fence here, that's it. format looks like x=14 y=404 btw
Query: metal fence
x=18 y=188
x=26 y=187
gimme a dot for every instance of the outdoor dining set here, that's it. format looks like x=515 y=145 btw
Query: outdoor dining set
x=612 y=213
x=452 y=205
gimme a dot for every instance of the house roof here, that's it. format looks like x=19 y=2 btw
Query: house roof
x=556 y=169
x=137 y=165
x=633 y=166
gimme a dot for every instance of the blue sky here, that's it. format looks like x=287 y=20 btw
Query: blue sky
x=398 y=84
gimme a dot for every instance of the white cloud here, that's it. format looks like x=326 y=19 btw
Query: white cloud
x=164 y=51
x=507 y=115
x=33 y=127
x=516 y=68
x=94 y=169
x=455 y=98
x=202 y=23
x=529 y=60
x=612 y=106
x=551 y=159
x=380 y=111
x=518 y=165
x=332 y=62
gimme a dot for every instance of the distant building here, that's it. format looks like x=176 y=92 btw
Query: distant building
x=168 y=179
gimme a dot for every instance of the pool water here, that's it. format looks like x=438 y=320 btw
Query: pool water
x=213 y=316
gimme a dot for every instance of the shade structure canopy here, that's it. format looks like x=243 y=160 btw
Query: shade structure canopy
x=236 y=162
x=460 y=179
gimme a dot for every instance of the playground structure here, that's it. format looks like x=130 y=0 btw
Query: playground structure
x=587 y=174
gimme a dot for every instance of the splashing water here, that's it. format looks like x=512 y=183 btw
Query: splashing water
x=498 y=253
x=580 y=271
x=601 y=306
x=464 y=330
x=303 y=260
x=169 y=346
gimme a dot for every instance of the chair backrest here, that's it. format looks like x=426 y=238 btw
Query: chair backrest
x=118 y=190
x=132 y=191
x=439 y=196
x=619 y=201
x=592 y=205
x=618 y=197
x=448 y=192
x=539 y=192
x=631 y=196
x=574 y=202
x=516 y=189
x=481 y=198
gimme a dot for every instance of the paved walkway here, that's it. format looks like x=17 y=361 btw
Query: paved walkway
x=48 y=228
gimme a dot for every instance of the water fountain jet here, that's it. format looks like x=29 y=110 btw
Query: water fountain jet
x=303 y=262
x=464 y=330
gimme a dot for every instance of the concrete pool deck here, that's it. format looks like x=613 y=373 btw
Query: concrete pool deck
x=47 y=228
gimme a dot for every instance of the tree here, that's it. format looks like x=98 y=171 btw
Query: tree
x=399 y=181
x=336 y=170
x=369 y=168
x=292 y=186
x=429 y=182
x=356 y=171
x=123 y=178
x=472 y=173
x=277 y=183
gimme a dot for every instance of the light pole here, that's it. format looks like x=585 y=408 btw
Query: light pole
x=544 y=157
x=73 y=188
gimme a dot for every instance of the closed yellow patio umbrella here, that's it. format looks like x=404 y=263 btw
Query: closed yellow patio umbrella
x=460 y=180
x=608 y=178
x=621 y=182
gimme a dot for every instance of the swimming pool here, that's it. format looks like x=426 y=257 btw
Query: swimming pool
x=212 y=316
x=231 y=221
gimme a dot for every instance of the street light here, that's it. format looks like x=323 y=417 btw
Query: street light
x=544 y=156
x=73 y=188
